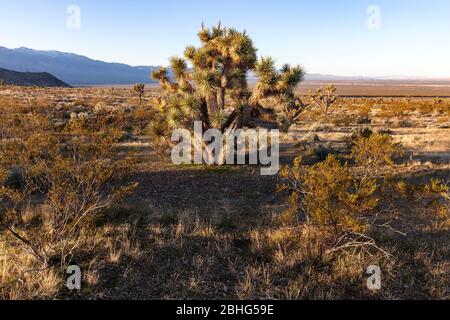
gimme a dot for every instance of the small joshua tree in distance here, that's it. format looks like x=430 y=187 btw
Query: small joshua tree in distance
x=139 y=88
x=324 y=98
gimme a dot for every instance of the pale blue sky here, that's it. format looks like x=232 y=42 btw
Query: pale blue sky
x=324 y=36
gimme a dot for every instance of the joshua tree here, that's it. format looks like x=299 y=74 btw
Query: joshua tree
x=324 y=98
x=139 y=88
x=215 y=89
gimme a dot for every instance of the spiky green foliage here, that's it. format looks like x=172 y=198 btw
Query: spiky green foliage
x=210 y=82
x=162 y=75
x=274 y=83
x=279 y=85
x=219 y=119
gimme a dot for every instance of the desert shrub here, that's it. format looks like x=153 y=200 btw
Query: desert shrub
x=42 y=103
x=374 y=151
x=364 y=111
x=391 y=108
x=322 y=152
x=338 y=197
x=437 y=195
x=81 y=102
x=67 y=183
x=141 y=118
x=328 y=194
x=312 y=137
x=388 y=132
x=312 y=115
x=9 y=104
x=363 y=120
x=363 y=133
x=106 y=119
x=395 y=108
x=343 y=120
x=438 y=101
x=436 y=106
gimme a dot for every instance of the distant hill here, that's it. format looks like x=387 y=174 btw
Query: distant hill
x=72 y=68
x=80 y=70
x=41 y=79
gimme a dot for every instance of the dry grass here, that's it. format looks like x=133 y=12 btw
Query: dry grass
x=22 y=276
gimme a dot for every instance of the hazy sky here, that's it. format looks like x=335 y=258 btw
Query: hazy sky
x=324 y=36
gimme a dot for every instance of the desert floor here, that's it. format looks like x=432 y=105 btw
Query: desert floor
x=200 y=232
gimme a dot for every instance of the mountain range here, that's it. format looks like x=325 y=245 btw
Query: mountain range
x=72 y=68
x=78 y=70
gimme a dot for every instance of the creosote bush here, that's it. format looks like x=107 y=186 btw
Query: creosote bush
x=54 y=185
x=329 y=194
x=372 y=151
x=339 y=197
x=437 y=193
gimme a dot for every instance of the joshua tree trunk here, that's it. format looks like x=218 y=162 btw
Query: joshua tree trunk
x=221 y=92
x=221 y=98
x=239 y=119
x=212 y=106
x=204 y=114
